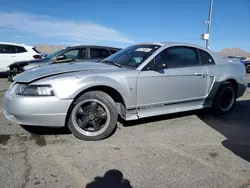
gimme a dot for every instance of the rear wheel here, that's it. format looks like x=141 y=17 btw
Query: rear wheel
x=93 y=116
x=225 y=98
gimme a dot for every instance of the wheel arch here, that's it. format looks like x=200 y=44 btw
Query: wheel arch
x=219 y=83
x=113 y=93
x=234 y=82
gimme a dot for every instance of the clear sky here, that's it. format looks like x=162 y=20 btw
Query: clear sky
x=124 y=22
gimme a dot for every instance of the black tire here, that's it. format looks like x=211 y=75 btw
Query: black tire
x=247 y=68
x=217 y=107
x=10 y=77
x=12 y=73
x=104 y=101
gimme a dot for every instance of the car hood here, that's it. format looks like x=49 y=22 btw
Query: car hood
x=50 y=70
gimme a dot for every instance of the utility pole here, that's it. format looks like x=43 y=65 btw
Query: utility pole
x=206 y=36
x=209 y=24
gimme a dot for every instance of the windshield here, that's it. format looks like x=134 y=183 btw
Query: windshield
x=50 y=56
x=132 y=56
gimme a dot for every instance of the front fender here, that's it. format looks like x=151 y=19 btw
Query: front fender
x=18 y=64
x=121 y=85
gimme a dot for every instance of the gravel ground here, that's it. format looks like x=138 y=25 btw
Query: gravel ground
x=184 y=150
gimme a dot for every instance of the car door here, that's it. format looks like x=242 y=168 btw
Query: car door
x=182 y=80
x=98 y=54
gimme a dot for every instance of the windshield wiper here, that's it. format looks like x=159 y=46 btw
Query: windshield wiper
x=113 y=63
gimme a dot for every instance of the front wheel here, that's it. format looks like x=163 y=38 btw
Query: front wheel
x=93 y=116
x=225 y=98
x=12 y=73
x=248 y=68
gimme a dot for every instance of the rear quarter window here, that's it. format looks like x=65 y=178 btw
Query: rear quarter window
x=19 y=49
x=206 y=58
x=99 y=53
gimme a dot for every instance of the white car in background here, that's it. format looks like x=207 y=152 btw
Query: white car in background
x=12 y=52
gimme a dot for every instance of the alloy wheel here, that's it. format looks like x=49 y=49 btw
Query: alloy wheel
x=91 y=117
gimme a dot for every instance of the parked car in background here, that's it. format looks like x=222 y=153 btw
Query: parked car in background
x=247 y=65
x=139 y=81
x=44 y=55
x=244 y=60
x=68 y=54
x=12 y=52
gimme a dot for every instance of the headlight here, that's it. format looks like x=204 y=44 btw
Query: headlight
x=31 y=66
x=34 y=90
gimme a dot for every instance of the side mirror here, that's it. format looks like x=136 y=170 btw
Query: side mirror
x=161 y=66
x=61 y=57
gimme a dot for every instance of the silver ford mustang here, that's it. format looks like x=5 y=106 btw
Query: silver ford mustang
x=142 y=80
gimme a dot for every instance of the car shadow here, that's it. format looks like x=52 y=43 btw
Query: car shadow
x=235 y=126
x=46 y=130
x=248 y=85
x=111 y=179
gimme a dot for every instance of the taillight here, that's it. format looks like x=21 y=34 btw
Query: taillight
x=37 y=57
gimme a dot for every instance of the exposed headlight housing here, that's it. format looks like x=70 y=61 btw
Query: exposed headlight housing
x=31 y=66
x=33 y=90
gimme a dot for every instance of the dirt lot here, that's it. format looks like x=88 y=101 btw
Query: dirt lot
x=182 y=150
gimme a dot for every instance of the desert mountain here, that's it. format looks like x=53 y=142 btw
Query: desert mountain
x=234 y=52
x=47 y=48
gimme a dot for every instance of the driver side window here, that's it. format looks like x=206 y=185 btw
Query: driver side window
x=75 y=54
x=176 y=57
x=71 y=54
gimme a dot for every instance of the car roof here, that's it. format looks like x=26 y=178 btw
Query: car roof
x=165 y=44
x=93 y=46
x=218 y=58
x=17 y=44
x=173 y=44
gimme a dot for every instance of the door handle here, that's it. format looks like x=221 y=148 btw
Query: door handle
x=198 y=74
